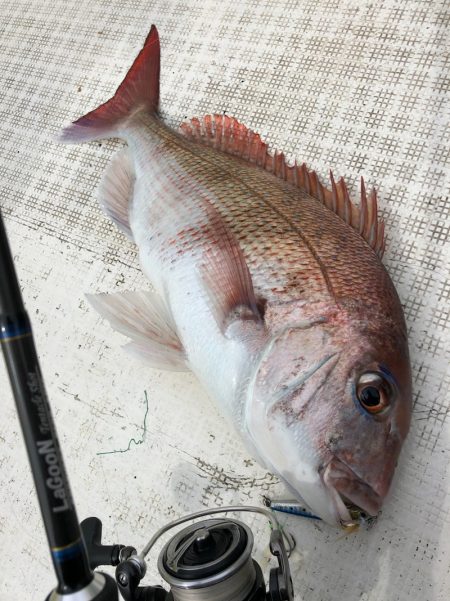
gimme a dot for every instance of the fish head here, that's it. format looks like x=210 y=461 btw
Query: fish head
x=329 y=409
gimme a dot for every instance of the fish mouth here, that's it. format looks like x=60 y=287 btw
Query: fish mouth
x=353 y=499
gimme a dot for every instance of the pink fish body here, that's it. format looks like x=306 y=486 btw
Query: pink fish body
x=268 y=286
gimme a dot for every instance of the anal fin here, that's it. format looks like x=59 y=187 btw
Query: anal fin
x=145 y=319
x=116 y=190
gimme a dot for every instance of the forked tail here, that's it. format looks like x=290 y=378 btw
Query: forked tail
x=139 y=89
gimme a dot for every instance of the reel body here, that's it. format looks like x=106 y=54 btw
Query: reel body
x=209 y=560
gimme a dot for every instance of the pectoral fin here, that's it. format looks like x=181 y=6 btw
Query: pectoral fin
x=226 y=276
x=144 y=317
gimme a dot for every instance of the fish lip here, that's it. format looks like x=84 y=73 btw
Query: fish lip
x=349 y=493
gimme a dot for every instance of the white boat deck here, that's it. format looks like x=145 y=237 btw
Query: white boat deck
x=357 y=86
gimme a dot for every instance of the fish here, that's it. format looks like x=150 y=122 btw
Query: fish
x=267 y=285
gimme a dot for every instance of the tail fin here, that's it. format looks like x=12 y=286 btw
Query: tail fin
x=140 y=88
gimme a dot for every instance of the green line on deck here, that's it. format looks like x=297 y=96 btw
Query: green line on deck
x=133 y=440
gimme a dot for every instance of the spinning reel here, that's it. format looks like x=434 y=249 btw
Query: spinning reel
x=209 y=560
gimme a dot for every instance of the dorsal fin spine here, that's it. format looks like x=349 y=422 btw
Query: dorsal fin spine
x=373 y=209
x=320 y=191
x=362 y=208
x=347 y=209
x=305 y=178
x=333 y=192
x=296 y=177
x=316 y=186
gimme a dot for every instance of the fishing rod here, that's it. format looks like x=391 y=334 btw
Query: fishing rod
x=209 y=560
x=75 y=578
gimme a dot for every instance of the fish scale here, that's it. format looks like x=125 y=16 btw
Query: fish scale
x=268 y=286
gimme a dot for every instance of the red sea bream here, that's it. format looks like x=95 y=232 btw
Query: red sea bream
x=267 y=285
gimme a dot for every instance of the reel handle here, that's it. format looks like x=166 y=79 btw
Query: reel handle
x=129 y=576
x=99 y=555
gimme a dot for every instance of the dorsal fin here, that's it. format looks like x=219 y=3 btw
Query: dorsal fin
x=228 y=135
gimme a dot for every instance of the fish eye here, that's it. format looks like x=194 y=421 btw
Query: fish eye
x=374 y=393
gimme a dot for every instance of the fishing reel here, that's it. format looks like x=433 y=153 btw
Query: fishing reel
x=209 y=560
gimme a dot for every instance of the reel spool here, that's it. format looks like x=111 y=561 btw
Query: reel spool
x=211 y=561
